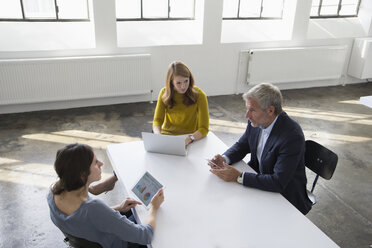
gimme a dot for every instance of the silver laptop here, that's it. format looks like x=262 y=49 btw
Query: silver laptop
x=165 y=144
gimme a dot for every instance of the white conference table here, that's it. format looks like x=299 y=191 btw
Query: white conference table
x=201 y=210
x=366 y=100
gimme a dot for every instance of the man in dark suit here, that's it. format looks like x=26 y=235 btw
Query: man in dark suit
x=277 y=146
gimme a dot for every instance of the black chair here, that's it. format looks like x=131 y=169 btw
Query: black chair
x=76 y=242
x=320 y=160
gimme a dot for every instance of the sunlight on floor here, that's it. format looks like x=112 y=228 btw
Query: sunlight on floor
x=350 y=101
x=227 y=126
x=332 y=138
x=328 y=138
x=43 y=175
x=95 y=140
x=35 y=174
x=329 y=115
x=4 y=161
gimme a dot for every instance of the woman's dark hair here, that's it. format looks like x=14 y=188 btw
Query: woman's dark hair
x=73 y=167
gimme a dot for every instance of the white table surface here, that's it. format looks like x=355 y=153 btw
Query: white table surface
x=366 y=100
x=201 y=210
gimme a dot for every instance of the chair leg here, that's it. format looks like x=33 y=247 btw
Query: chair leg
x=311 y=197
x=315 y=181
x=67 y=241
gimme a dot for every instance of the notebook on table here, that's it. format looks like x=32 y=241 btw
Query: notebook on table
x=165 y=144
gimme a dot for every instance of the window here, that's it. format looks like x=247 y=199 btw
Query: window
x=44 y=10
x=252 y=9
x=334 y=8
x=127 y=10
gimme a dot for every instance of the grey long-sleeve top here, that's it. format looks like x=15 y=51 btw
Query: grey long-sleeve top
x=97 y=222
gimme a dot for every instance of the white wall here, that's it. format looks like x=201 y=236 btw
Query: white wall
x=211 y=52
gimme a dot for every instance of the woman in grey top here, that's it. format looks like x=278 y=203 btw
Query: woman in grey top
x=74 y=212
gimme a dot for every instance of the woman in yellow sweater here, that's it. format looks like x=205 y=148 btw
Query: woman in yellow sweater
x=182 y=108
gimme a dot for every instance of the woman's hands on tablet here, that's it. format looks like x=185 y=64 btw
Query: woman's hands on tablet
x=158 y=199
x=127 y=204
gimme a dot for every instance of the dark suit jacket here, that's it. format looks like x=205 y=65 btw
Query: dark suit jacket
x=282 y=167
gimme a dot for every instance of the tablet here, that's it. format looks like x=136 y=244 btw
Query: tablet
x=145 y=188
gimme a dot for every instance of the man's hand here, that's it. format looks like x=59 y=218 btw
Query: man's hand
x=227 y=173
x=217 y=162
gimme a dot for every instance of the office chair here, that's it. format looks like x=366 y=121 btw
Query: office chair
x=75 y=242
x=320 y=160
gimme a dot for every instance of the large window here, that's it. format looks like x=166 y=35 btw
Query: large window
x=252 y=9
x=127 y=10
x=44 y=10
x=334 y=8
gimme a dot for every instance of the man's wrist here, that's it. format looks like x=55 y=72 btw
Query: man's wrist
x=227 y=160
x=240 y=178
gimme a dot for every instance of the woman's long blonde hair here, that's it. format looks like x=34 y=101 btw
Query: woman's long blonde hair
x=179 y=69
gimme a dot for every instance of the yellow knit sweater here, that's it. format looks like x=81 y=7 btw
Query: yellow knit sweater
x=182 y=119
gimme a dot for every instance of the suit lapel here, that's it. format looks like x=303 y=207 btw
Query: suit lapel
x=255 y=136
x=253 y=142
x=274 y=135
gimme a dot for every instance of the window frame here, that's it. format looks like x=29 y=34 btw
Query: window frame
x=160 y=19
x=255 y=18
x=338 y=11
x=56 y=19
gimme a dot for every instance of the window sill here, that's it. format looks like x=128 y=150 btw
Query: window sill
x=234 y=31
x=158 y=33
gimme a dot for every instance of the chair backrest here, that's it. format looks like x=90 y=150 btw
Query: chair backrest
x=320 y=160
x=76 y=242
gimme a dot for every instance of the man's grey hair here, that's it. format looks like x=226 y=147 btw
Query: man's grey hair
x=266 y=95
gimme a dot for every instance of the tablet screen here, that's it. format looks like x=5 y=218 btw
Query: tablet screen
x=146 y=188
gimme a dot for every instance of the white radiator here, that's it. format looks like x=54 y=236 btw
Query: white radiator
x=360 y=65
x=60 y=79
x=280 y=65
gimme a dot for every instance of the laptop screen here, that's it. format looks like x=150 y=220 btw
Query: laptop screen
x=165 y=144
